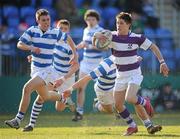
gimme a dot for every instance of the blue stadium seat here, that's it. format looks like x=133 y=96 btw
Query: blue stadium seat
x=171 y=64
x=146 y=55
x=79 y=3
x=10 y=11
x=76 y=33
x=150 y=33
x=167 y=53
x=11 y=14
x=27 y=11
x=177 y=54
x=0 y=20
x=28 y=15
x=47 y=3
x=109 y=15
x=165 y=38
x=177 y=58
x=13 y=22
x=0 y=17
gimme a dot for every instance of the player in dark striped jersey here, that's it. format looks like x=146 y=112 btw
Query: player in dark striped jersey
x=129 y=77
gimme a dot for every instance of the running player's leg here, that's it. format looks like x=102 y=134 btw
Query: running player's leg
x=36 y=109
x=80 y=101
x=140 y=102
x=104 y=108
x=132 y=97
x=28 y=88
x=33 y=84
x=142 y=114
x=105 y=101
x=124 y=113
x=60 y=106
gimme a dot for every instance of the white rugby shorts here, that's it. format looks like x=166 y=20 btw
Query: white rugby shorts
x=105 y=98
x=122 y=83
x=50 y=75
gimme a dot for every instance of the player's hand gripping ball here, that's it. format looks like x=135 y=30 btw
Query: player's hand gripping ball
x=103 y=39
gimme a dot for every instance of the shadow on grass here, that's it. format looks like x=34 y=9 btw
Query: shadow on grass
x=162 y=135
x=135 y=135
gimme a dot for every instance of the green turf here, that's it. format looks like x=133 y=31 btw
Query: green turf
x=94 y=126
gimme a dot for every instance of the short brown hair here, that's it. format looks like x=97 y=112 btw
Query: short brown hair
x=92 y=13
x=41 y=12
x=64 y=22
x=125 y=16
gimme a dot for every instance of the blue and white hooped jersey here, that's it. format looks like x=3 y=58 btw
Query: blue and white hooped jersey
x=61 y=57
x=90 y=53
x=45 y=41
x=105 y=74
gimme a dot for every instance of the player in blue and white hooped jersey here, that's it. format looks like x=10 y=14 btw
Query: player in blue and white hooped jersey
x=91 y=56
x=60 y=72
x=124 y=48
x=104 y=76
x=41 y=41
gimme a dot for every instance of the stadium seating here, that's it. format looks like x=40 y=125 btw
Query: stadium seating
x=177 y=57
x=165 y=38
x=11 y=14
x=47 y=3
x=150 y=33
x=27 y=15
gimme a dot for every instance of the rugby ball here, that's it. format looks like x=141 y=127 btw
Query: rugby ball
x=102 y=45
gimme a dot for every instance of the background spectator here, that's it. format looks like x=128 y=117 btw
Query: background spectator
x=166 y=99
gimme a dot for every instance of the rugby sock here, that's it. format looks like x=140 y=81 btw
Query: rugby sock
x=80 y=110
x=147 y=123
x=98 y=106
x=36 y=109
x=19 y=117
x=128 y=118
x=141 y=101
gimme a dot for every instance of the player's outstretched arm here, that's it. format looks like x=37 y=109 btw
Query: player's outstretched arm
x=82 y=45
x=26 y=47
x=72 y=45
x=77 y=85
x=163 y=66
x=74 y=67
x=81 y=82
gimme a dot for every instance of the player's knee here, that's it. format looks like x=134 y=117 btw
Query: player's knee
x=129 y=99
x=60 y=108
x=46 y=98
x=27 y=89
x=81 y=90
x=109 y=110
x=40 y=100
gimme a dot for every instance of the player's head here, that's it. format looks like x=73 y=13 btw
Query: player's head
x=123 y=22
x=43 y=19
x=91 y=18
x=64 y=25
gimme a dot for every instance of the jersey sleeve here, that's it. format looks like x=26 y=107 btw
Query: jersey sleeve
x=62 y=36
x=144 y=43
x=26 y=37
x=101 y=70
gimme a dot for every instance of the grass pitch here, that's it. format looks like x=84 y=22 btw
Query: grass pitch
x=93 y=126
